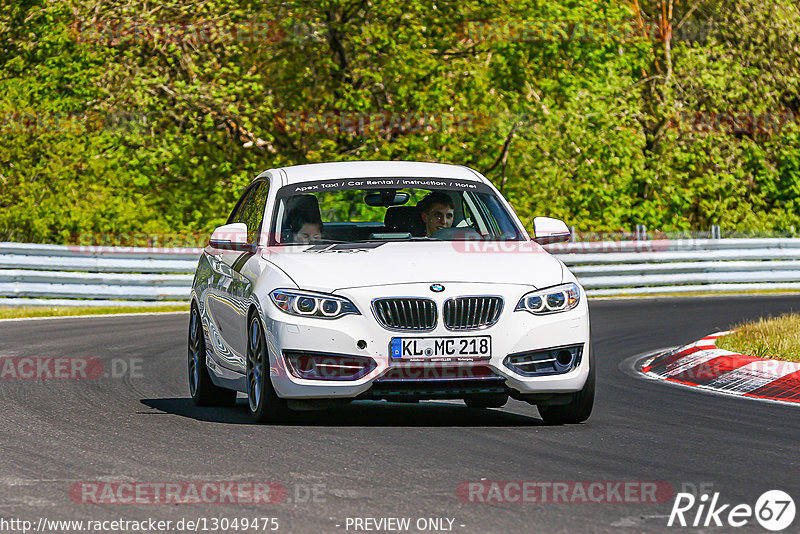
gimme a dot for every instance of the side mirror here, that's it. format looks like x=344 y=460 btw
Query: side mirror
x=548 y=230
x=231 y=237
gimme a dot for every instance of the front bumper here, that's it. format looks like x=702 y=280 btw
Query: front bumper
x=514 y=332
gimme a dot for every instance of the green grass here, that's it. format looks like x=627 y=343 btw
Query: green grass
x=13 y=312
x=771 y=337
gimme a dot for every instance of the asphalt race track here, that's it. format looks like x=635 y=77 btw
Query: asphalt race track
x=384 y=460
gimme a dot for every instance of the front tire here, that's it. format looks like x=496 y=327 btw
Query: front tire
x=202 y=389
x=265 y=405
x=579 y=408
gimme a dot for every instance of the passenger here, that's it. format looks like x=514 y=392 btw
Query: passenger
x=437 y=211
x=304 y=227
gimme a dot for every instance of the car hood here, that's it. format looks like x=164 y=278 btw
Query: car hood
x=332 y=267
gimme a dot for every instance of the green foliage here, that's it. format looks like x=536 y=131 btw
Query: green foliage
x=18 y=312
x=118 y=117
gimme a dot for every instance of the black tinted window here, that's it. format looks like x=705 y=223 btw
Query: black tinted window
x=236 y=214
x=335 y=212
x=253 y=212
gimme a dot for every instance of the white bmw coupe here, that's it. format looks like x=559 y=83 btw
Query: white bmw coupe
x=391 y=281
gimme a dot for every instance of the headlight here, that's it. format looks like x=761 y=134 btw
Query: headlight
x=551 y=300
x=306 y=304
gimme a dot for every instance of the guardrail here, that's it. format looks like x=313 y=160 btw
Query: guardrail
x=683 y=265
x=59 y=275
x=102 y=276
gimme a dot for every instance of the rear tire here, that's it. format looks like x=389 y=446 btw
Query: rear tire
x=265 y=405
x=487 y=400
x=579 y=408
x=201 y=388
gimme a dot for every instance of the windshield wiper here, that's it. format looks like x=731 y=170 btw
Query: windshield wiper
x=318 y=242
x=392 y=240
x=325 y=242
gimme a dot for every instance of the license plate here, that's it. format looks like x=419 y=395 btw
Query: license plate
x=441 y=348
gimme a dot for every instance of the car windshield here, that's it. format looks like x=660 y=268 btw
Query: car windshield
x=390 y=209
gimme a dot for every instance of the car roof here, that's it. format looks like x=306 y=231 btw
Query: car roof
x=374 y=169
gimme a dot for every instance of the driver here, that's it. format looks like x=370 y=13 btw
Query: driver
x=437 y=211
x=304 y=227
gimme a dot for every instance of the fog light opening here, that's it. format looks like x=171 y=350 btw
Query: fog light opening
x=556 y=360
x=564 y=358
x=321 y=366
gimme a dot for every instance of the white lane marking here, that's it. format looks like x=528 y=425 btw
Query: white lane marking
x=707 y=341
x=690 y=361
x=632 y=366
x=752 y=376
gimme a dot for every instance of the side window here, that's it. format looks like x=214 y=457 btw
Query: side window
x=236 y=214
x=499 y=220
x=467 y=219
x=253 y=213
x=491 y=221
x=477 y=215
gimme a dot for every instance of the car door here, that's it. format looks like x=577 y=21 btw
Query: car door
x=229 y=302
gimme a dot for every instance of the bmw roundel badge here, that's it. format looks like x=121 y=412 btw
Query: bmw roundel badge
x=437 y=288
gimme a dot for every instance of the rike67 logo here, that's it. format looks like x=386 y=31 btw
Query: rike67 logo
x=774 y=510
